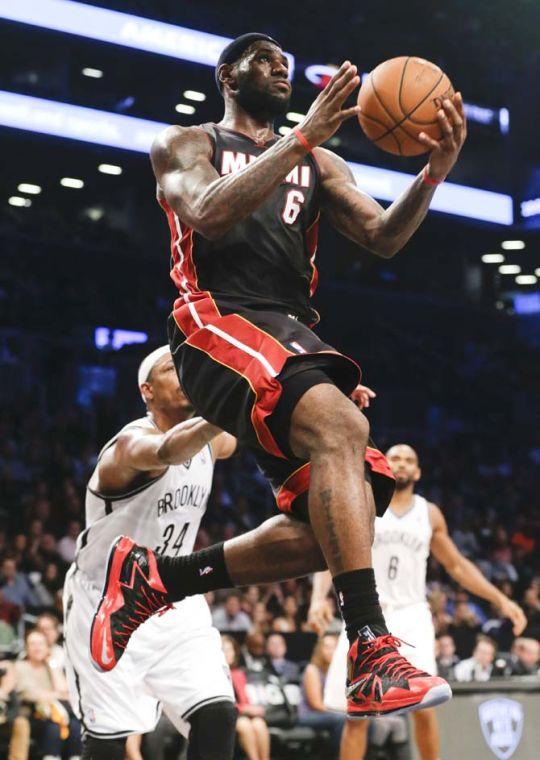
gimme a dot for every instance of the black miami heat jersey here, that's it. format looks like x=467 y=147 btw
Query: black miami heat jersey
x=267 y=259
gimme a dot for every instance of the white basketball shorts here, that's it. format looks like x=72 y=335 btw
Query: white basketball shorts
x=413 y=624
x=173 y=661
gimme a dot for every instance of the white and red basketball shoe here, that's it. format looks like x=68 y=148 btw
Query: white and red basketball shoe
x=132 y=593
x=380 y=681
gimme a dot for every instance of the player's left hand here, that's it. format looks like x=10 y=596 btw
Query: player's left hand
x=513 y=612
x=362 y=396
x=444 y=152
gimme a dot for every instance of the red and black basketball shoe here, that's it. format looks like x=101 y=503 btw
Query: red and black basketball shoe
x=132 y=593
x=380 y=681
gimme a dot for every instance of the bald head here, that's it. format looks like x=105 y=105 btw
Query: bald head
x=403 y=461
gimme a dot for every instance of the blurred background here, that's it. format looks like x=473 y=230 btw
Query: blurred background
x=447 y=333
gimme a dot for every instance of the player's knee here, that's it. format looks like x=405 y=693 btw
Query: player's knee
x=349 y=433
x=103 y=749
x=205 y=744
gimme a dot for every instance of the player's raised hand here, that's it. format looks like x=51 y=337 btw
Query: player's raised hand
x=513 y=612
x=327 y=113
x=444 y=152
x=362 y=396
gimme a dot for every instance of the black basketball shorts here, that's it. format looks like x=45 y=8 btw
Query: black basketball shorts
x=244 y=370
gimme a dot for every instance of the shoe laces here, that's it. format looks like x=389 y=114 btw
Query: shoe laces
x=381 y=654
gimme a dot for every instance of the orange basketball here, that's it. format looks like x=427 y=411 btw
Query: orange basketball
x=400 y=99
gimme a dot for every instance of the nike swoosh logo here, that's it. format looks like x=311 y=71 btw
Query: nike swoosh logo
x=104 y=653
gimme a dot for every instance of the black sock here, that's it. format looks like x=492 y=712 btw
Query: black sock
x=359 y=603
x=195 y=573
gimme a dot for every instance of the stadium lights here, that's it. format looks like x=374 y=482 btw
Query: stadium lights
x=530 y=207
x=526 y=279
x=107 y=337
x=284 y=130
x=124 y=29
x=16 y=200
x=27 y=187
x=110 y=169
x=199 y=97
x=492 y=258
x=509 y=269
x=92 y=73
x=72 y=182
x=184 y=108
x=94 y=213
x=294 y=116
x=513 y=245
x=537 y=272
x=119 y=131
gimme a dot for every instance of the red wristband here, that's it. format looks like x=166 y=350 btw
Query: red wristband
x=302 y=140
x=429 y=180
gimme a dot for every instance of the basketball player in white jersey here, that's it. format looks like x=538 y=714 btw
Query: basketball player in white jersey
x=405 y=535
x=151 y=480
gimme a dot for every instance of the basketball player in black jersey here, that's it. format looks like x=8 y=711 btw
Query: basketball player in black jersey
x=243 y=207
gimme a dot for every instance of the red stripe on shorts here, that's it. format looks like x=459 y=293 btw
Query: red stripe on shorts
x=295 y=485
x=191 y=312
x=378 y=462
x=255 y=355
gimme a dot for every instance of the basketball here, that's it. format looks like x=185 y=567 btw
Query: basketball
x=398 y=100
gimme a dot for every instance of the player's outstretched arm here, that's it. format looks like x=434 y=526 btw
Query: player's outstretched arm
x=181 y=160
x=467 y=574
x=361 y=219
x=142 y=450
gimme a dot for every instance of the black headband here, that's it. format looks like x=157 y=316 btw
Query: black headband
x=234 y=49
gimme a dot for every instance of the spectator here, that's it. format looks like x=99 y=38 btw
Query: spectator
x=17 y=725
x=9 y=612
x=251 y=727
x=525 y=657
x=531 y=607
x=67 y=544
x=288 y=622
x=438 y=601
x=446 y=658
x=276 y=649
x=15 y=586
x=261 y=618
x=464 y=629
x=49 y=625
x=466 y=541
x=44 y=693
x=230 y=616
x=479 y=667
x=311 y=710
x=254 y=651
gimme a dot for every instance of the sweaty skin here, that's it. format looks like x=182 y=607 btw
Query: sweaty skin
x=340 y=506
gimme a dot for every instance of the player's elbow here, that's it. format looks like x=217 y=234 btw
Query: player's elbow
x=386 y=249
x=379 y=242
x=209 y=224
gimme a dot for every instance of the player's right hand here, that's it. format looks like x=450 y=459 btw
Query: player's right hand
x=327 y=113
x=513 y=612
x=319 y=616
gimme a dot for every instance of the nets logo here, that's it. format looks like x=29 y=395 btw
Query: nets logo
x=502 y=725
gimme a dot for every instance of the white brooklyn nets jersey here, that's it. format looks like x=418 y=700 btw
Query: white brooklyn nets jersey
x=163 y=514
x=400 y=553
